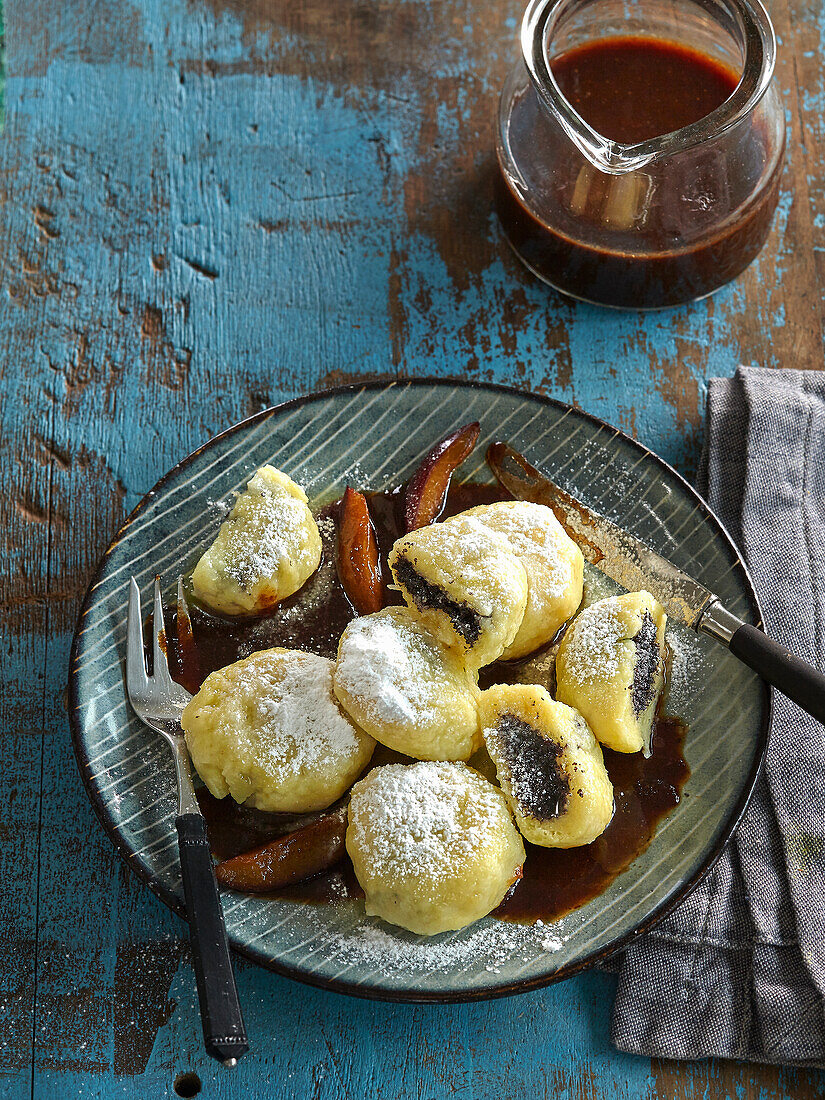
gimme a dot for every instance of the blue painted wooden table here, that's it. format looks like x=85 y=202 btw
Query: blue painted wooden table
x=207 y=206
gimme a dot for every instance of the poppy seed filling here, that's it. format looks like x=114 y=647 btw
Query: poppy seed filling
x=465 y=620
x=646 y=666
x=538 y=780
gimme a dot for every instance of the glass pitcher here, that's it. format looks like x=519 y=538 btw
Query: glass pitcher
x=654 y=222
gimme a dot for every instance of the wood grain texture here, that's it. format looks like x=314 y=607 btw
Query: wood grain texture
x=2 y=70
x=207 y=206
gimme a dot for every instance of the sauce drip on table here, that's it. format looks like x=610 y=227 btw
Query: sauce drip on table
x=648 y=237
x=555 y=881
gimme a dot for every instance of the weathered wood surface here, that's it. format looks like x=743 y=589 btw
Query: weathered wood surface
x=206 y=206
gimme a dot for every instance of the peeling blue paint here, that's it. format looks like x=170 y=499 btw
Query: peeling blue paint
x=202 y=216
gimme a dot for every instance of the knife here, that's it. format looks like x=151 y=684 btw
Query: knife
x=635 y=566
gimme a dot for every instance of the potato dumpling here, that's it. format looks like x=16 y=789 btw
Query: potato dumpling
x=549 y=765
x=552 y=561
x=466 y=584
x=610 y=667
x=406 y=688
x=265 y=550
x=433 y=845
x=268 y=731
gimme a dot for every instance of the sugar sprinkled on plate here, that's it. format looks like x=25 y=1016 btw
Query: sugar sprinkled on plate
x=492 y=942
x=686 y=666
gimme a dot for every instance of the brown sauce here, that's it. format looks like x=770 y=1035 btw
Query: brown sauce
x=638 y=239
x=554 y=881
x=632 y=89
x=557 y=880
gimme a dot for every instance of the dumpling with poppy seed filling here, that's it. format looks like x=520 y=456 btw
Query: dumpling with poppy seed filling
x=465 y=583
x=553 y=563
x=264 y=551
x=549 y=765
x=610 y=667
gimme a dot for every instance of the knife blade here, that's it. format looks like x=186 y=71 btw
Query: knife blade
x=623 y=557
x=634 y=565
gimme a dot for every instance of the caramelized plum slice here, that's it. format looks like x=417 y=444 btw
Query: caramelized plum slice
x=427 y=488
x=300 y=855
x=359 y=566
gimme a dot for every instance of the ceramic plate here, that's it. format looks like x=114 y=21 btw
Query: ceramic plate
x=374 y=435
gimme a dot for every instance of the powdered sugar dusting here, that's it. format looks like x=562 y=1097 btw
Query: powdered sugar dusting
x=470 y=540
x=386 y=663
x=536 y=535
x=221 y=508
x=283 y=625
x=316 y=591
x=494 y=943
x=257 y=544
x=425 y=818
x=592 y=643
x=300 y=721
x=686 y=669
x=480 y=557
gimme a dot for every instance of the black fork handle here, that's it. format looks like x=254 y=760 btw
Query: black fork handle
x=224 y=1032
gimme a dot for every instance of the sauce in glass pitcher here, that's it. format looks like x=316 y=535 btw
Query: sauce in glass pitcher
x=632 y=89
x=645 y=231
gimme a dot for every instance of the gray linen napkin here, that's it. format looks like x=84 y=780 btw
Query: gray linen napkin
x=738 y=970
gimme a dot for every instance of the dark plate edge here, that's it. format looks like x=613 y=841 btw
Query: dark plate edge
x=350 y=988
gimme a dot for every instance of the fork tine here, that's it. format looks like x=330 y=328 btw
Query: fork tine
x=183 y=606
x=136 y=678
x=161 y=669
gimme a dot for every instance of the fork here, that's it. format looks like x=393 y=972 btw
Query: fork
x=159 y=701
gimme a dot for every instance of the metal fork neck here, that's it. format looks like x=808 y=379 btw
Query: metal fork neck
x=187 y=801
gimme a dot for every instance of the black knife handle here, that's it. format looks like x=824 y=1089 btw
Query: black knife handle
x=224 y=1032
x=794 y=677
